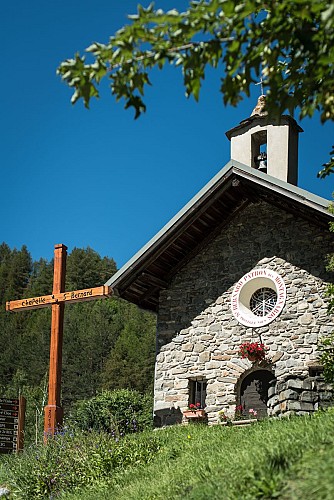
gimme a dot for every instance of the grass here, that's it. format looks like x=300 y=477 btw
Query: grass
x=287 y=459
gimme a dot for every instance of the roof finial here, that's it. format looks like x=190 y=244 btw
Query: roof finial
x=260 y=107
x=261 y=102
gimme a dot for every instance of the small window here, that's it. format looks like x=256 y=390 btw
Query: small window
x=197 y=392
x=316 y=371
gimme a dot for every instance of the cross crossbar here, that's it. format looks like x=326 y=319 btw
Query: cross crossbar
x=48 y=300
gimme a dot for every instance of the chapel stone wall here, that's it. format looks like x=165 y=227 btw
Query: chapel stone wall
x=197 y=335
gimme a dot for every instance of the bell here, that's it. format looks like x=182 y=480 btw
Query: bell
x=261 y=162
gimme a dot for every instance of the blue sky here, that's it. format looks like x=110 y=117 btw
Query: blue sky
x=99 y=178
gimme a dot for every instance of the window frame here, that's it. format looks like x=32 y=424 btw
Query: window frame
x=197 y=391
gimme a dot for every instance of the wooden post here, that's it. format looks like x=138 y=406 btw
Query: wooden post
x=21 y=424
x=53 y=417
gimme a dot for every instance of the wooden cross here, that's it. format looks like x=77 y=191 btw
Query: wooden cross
x=53 y=417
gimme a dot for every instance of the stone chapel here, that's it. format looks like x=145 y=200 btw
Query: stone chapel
x=243 y=261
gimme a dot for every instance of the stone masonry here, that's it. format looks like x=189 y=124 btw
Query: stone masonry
x=198 y=337
x=298 y=395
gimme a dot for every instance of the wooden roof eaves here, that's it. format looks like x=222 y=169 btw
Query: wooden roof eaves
x=215 y=232
x=175 y=226
x=199 y=204
x=149 y=299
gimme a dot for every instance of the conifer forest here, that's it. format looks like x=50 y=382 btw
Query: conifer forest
x=108 y=343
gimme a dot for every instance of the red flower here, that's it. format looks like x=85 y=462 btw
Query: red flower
x=194 y=407
x=252 y=349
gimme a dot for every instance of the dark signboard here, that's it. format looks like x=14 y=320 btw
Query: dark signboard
x=11 y=424
x=9 y=401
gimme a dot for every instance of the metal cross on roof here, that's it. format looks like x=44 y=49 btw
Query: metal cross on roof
x=261 y=81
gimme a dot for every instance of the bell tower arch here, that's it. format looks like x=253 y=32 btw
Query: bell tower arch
x=267 y=145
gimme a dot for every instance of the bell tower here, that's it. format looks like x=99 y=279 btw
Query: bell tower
x=267 y=145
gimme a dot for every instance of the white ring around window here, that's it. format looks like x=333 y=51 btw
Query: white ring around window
x=258 y=298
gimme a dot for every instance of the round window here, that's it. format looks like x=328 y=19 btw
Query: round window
x=258 y=298
x=263 y=301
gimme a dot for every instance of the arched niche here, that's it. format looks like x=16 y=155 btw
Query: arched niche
x=252 y=390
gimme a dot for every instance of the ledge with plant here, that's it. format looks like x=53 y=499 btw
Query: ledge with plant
x=240 y=416
x=194 y=411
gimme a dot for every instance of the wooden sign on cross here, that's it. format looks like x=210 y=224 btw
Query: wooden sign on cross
x=53 y=417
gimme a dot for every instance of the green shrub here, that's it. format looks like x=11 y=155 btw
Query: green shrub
x=326 y=348
x=118 y=412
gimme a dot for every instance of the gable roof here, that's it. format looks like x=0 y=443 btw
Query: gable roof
x=200 y=220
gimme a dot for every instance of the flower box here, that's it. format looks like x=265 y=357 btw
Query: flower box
x=254 y=358
x=194 y=414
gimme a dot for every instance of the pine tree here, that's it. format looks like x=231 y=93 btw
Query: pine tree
x=5 y=255
x=131 y=362
x=41 y=278
x=19 y=269
x=86 y=269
